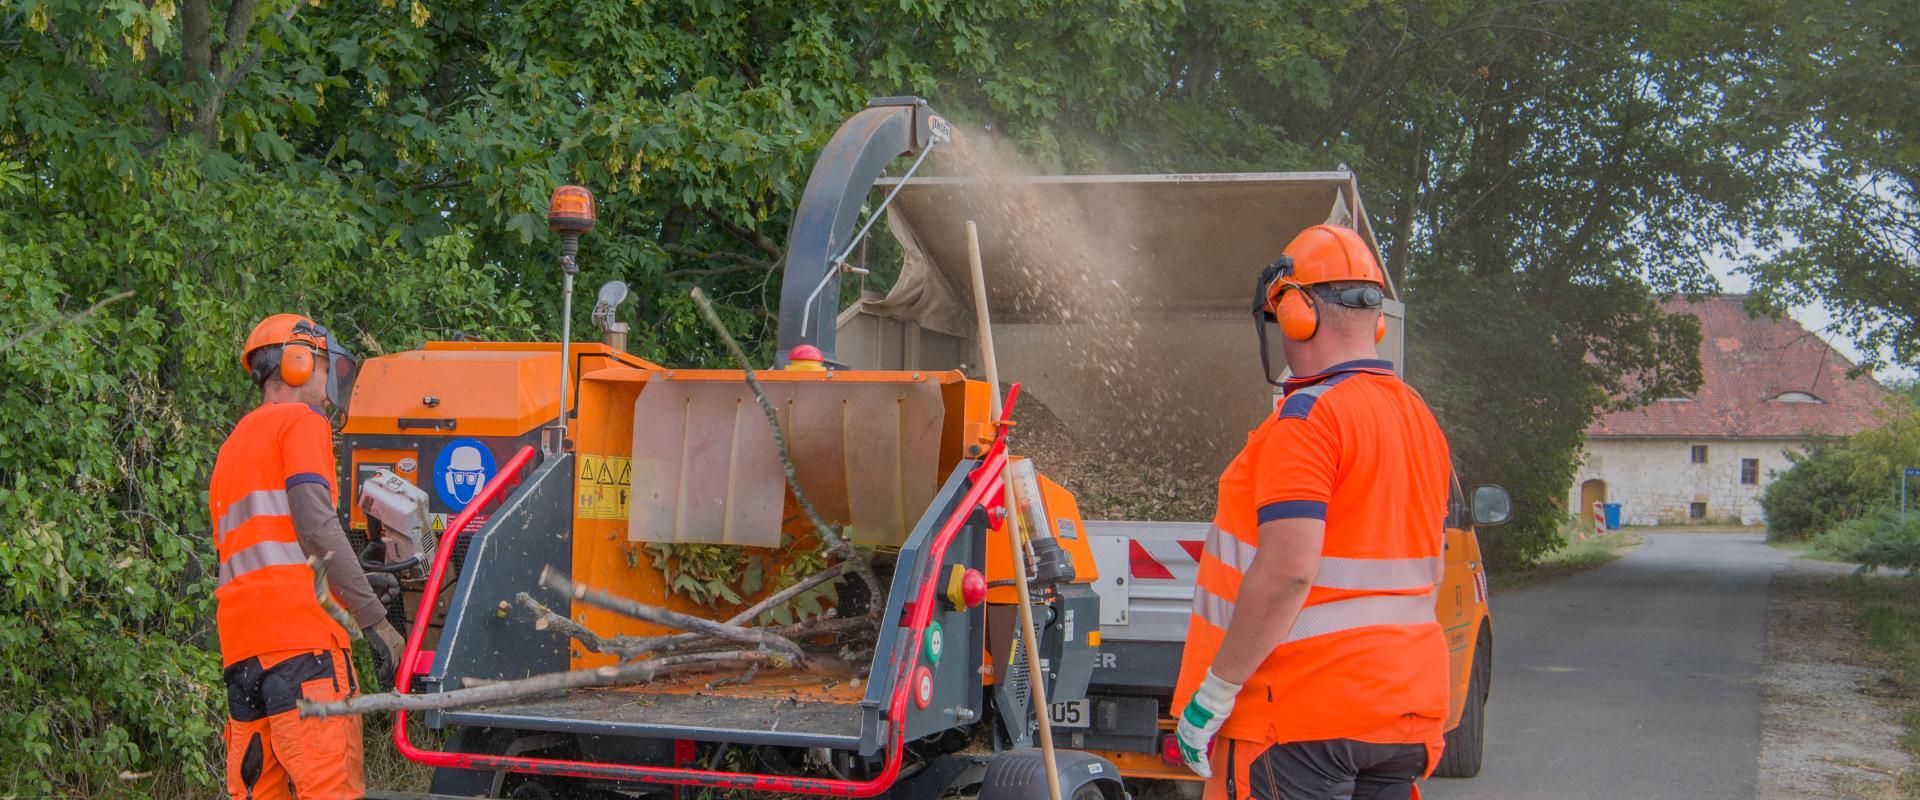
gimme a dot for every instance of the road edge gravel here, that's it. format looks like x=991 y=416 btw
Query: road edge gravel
x=1823 y=734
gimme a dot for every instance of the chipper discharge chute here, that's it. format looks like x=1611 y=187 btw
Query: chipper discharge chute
x=912 y=693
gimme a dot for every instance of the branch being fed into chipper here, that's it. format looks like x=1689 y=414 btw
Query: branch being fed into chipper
x=628 y=673
x=319 y=566
x=558 y=581
x=628 y=647
x=830 y=534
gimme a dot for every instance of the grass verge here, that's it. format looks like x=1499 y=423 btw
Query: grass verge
x=1575 y=554
x=1886 y=612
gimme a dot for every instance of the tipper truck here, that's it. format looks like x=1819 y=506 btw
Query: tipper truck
x=623 y=460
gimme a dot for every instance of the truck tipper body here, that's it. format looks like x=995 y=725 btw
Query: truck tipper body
x=1178 y=256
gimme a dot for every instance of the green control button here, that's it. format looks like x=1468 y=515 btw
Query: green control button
x=936 y=642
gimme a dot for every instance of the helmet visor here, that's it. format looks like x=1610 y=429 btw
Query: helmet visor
x=342 y=368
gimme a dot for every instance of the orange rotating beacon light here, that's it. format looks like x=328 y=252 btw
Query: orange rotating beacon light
x=570 y=214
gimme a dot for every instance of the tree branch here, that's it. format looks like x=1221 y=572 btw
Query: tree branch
x=716 y=255
x=836 y=544
x=319 y=566
x=86 y=73
x=239 y=22
x=42 y=327
x=557 y=581
x=544 y=618
x=636 y=646
x=234 y=77
x=631 y=672
x=754 y=237
x=196 y=40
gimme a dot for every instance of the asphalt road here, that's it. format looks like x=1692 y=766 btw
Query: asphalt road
x=1639 y=679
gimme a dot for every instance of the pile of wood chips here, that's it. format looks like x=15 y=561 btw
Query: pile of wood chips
x=1131 y=484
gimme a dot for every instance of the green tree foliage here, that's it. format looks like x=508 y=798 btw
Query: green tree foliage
x=1835 y=482
x=1815 y=493
x=173 y=170
x=1840 y=84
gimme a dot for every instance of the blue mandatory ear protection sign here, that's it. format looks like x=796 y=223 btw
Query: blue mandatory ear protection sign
x=462 y=470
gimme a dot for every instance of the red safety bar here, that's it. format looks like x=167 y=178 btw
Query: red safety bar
x=987 y=493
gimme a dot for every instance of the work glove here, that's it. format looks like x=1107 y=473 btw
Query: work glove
x=1201 y=720
x=385 y=586
x=387 y=646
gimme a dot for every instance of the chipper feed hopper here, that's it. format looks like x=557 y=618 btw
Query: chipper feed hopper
x=932 y=698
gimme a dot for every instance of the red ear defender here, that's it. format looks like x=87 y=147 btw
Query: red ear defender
x=1299 y=319
x=296 y=363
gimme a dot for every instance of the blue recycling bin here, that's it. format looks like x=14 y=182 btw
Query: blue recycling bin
x=1612 y=511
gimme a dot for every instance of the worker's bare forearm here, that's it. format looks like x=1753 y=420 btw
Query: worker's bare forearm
x=1262 y=617
x=318 y=528
x=1272 y=591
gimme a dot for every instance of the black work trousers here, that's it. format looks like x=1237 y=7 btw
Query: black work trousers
x=1333 y=769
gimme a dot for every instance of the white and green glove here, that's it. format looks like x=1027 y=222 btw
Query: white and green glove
x=1201 y=720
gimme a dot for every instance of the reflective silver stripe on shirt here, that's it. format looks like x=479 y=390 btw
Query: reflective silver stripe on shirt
x=1377 y=574
x=1230 y=550
x=1361 y=612
x=1366 y=574
x=266 y=502
x=1216 y=610
x=260 y=556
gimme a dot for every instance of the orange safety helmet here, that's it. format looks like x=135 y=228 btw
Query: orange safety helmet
x=1322 y=254
x=298 y=342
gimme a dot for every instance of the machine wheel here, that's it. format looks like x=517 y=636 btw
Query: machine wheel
x=1465 y=743
x=1089 y=792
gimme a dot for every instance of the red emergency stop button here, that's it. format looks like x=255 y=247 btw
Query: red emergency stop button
x=966 y=588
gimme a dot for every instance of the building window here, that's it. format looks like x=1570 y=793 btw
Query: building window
x=1750 y=471
x=1699 y=454
x=1697 y=511
x=1796 y=397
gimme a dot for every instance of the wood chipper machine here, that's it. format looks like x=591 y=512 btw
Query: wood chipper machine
x=625 y=472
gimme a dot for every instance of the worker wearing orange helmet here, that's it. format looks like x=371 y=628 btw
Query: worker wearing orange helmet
x=1313 y=653
x=273 y=497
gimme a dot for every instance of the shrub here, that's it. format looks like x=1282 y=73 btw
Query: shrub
x=1816 y=493
x=1876 y=539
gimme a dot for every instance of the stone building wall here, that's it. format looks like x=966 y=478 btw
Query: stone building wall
x=1656 y=481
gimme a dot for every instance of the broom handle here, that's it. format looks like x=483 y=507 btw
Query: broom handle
x=1015 y=541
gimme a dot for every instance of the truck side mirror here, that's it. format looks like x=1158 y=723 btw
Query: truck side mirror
x=1491 y=506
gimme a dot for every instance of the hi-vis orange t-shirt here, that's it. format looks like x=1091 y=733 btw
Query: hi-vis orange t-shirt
x=265 y=592
x=1366 y=659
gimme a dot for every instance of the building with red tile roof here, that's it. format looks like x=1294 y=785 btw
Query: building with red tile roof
x=1767 y=387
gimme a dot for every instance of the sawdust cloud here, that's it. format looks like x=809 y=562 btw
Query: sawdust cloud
x=1105 y=409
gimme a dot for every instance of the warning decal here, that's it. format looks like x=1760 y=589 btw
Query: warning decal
x=603 y=486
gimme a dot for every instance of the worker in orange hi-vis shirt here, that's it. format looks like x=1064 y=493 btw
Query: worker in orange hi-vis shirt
x=273 y=498
x=1313 y=653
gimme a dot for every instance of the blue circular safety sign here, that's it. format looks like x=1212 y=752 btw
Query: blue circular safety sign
x=462 y=470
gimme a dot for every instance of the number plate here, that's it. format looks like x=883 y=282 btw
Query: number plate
x=1077 y=714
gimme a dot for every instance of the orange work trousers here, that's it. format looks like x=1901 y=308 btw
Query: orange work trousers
x=271 y=752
